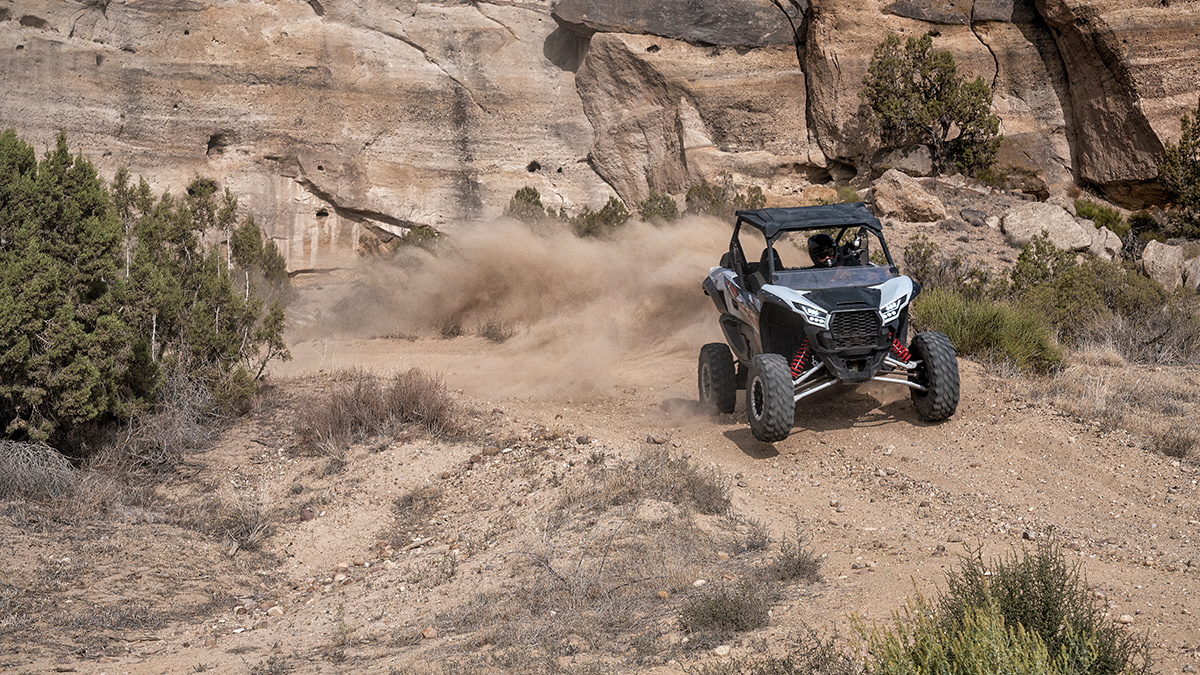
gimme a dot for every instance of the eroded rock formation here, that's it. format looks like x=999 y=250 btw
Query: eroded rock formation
x=341 y=123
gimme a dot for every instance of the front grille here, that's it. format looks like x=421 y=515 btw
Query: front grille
x=855 y=329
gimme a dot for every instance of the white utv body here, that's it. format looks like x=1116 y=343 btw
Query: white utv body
x=793 y=330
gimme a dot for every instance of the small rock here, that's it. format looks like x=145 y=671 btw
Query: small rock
x=429 y=633
x=260 y=624
x=722 y=555
x=924 y=504
x=1124 y=619
x=240 y=610
x=699 y=582
x=741 y=484
x=833 y=503
x=306 y=515
x=857 y=566
x=1188 y=668
x=445 y=475
x=340 y=578
x=954 y=538
x=491 y=451
x=663 y=595
x=1073 y=545
x=233 y=548
x=974 y=217
x=275 y=611
x=582 y=440
x=722 y=650
x=1028 y=535
x=655 y=439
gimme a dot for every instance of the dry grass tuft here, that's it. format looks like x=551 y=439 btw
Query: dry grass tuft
x=1176 y=441
x=616 y=559
x=412 y=509
x=494 y=330
x=713 y=617
x=245 y=517
x=35 y=471
x=655 y=475
x=362 y=405
x=1123 y=397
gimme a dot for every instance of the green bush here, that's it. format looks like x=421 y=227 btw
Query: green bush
x=722 y=200
x=1102 y=216
x=919 y=643
x=1039 y=591
x=526 y=206
x=588 y=223
x=658 y=207
x=990 y=329
x=847 y=194
x=1179 y=168
x=924 y=262
x=917 y=98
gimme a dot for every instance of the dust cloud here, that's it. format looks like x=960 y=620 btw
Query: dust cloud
x=581 y=312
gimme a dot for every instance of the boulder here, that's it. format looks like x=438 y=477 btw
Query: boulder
x=914 y=161
x=1164 y=264
x=1106 y=245
x=735 y=23
x=1022 y=223
x=897 y=195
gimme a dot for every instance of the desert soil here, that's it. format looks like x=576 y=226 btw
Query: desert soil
x=889 y=501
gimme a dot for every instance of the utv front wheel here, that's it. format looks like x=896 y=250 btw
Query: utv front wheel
x=717 y=378
x=770 y=403
x=937 y=371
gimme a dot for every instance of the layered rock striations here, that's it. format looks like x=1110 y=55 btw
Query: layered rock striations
x=343 y=123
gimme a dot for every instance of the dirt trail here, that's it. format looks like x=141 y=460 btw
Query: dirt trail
x=611 y=355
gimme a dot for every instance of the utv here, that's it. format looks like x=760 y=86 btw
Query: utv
x=798 y=328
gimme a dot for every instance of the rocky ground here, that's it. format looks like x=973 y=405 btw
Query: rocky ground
x=418 y=553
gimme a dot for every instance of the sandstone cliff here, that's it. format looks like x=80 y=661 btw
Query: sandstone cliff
x=343 y=122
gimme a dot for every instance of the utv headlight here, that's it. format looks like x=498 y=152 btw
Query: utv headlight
x=814 y=315
x=892 y=309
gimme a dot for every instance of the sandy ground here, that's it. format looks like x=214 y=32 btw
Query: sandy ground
x=889 y=500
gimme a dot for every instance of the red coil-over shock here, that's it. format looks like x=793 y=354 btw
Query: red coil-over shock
x=901 y=351
x=800 y=360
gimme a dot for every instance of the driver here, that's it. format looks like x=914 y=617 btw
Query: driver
x=822 y=250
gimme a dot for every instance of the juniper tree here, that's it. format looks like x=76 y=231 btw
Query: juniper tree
x=1179 y=167
x=917 y=98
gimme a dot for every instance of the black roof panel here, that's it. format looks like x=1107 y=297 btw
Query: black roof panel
x=774 y=221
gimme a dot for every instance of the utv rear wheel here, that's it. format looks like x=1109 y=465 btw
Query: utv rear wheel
x=770 y=403
x=717 y=378
x=937 y=371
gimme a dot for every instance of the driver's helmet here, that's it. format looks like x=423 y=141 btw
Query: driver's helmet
x=821 y=249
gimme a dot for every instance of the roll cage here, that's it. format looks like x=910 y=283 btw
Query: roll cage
x=839 y=220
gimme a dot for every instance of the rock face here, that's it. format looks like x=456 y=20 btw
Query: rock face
x=1028 y=220
x=1134 y=66
x=739 y=23
x=336 y=123
x=342 y=124
x=686 y=112
x=899 y=196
